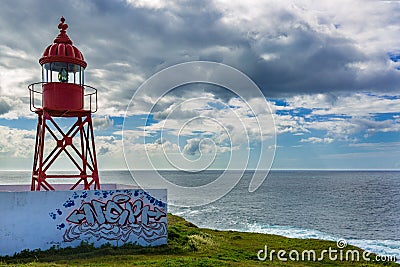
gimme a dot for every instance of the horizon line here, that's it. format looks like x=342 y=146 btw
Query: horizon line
x=273 y=169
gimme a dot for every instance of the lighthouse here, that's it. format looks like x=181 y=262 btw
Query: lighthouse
x=64 y=106
x=115 y=215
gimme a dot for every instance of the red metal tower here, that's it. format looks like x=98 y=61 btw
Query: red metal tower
x=64 y=106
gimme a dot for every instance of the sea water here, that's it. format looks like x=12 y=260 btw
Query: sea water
x=362 y=207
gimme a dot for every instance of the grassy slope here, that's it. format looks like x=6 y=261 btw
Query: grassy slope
x=187 y=246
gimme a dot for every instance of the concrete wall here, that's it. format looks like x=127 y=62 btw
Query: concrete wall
x=60 y=187
x=33 y=220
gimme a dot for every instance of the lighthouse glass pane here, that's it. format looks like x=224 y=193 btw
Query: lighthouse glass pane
x=58 y=66
x=46 y=66
x=82 y=76
x=43 y=74
x=73 y=68
x=77 y=77
x=46 y=73
x=54 y=76
x=59 y=72
x=71 y=77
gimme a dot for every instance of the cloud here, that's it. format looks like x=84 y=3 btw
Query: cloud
x=4 y=106
x=159 y=146
x=198 y=146
x=236 y=121
x=102 y=123
x=150 y=4
x=360 y=104
x=334 y=66
x=103 y=150
x=345 y=117
x=286 y=48
x=315 y=140
x=16 y=143
x=192 y=147
x=109 y=146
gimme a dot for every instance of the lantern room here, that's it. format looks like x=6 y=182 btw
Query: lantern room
x=62 y=72
x=63 y=69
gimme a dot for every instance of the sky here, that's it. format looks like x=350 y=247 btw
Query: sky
x=328 y=73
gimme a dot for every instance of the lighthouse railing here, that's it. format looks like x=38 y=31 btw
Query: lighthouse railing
x=35 y=103
x=91 y=94
x=36 y=100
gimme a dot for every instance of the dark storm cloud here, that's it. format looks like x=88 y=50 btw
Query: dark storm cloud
x=310 y=63
x=284 y=58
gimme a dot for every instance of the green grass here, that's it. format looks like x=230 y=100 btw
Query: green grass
x=188 y=245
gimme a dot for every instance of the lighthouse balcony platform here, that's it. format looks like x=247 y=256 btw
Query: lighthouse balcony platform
x=62 y=99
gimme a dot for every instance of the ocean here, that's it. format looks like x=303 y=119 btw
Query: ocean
x=362 y=207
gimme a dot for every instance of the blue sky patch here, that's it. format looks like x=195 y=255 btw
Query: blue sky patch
x=395 y=57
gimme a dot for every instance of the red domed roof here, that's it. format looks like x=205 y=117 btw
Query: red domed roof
x=62 y=49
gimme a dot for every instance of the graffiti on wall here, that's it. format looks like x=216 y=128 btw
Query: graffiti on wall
x=113 y=215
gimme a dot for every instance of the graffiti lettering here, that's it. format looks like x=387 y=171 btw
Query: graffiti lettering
x=120 y=218
x=120 y=210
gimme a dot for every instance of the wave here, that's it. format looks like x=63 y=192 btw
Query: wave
x=379 y=247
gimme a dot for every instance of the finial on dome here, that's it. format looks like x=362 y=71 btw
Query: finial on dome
x=63 y=37
x=63 y=27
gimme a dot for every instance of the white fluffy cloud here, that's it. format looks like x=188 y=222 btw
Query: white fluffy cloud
x=102 y=122
x=16 y=143
x=315 y=140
